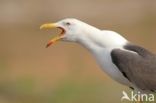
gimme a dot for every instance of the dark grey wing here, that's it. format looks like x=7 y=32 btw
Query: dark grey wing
x=137 y=64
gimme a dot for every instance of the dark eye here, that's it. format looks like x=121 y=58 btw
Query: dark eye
x=68 y=23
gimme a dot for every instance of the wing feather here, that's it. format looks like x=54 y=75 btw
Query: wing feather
x=139 y=67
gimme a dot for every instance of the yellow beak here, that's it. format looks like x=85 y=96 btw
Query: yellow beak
x=51 y=26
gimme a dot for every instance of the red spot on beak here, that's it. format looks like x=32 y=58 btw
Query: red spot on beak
x=50 y=43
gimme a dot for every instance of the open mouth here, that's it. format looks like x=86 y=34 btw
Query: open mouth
x=51 y=26
x=62 y=31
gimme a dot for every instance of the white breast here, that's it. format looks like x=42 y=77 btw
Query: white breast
x=104 y=59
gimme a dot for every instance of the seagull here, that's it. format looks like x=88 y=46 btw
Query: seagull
x=125 y=62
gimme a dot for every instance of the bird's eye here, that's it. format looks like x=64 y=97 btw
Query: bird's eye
x=68 y=23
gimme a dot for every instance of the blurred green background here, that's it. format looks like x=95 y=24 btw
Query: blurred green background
x=65 y=72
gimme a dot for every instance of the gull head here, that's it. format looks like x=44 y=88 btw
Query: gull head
x=71 y=29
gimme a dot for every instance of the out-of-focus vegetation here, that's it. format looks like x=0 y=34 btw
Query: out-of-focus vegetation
x=65 y=72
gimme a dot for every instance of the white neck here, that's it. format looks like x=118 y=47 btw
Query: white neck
x=100 y=43
x=95 y=39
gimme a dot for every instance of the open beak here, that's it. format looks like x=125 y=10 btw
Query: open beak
x=51 y=26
